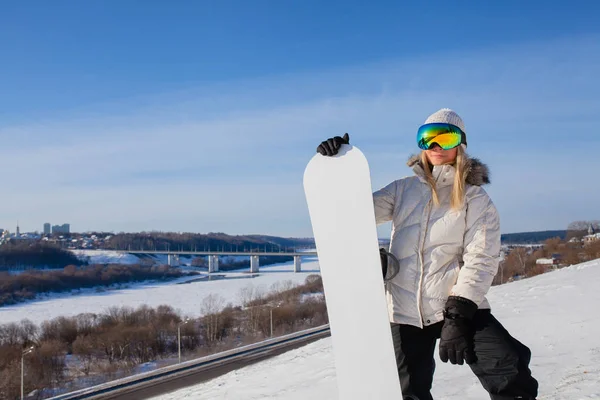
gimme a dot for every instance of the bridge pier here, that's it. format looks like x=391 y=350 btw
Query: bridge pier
x=253 y=263
x=173 y=260
x=213 y=264
x=297 y=264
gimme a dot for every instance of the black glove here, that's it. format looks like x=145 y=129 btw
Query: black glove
x=456 y=342
x=384 y=261
x=332 y=145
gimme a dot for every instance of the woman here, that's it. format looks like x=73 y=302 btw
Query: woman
x=446 y=236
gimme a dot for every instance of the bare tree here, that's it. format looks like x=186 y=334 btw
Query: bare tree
x=10 y=373
x=61 y=328
x=47 y=364
x=552 y=246
x=314 y=283
x=139 y=344
x=515 y=263
x=571 y=255
x=580 y=228
x=86 y=323
x=251 y=298
x=583 y=225
x=519 y=258
x=10 y=334
x=86 y=348
x=282 y=291
x=211 y=321
x=592 y=250
x=112 y=345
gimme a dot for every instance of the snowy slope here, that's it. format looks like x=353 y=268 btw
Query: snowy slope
x=106 y=257
x=555 y=314
x=185 y=297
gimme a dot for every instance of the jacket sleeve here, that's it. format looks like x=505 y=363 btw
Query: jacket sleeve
x=384 y=200
x=481 y=249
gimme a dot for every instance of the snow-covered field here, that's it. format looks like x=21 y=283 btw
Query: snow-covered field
x=185 y=297
x=106 y=257
x=555 y=314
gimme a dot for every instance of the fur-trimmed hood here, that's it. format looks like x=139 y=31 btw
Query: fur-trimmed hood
x=478 y=173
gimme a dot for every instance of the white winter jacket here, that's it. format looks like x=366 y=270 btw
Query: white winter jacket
x=442 y=252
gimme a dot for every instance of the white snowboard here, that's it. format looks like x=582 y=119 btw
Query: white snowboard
x=340 y=203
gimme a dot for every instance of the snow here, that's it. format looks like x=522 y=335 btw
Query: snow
x=120 y=257
x=545 y=261
x=186 y=297
x=106 y=257
x=554 y=314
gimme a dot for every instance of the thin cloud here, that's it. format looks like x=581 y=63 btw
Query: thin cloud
x=237 y=151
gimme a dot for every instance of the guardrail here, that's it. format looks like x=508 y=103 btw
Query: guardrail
x=158 y=376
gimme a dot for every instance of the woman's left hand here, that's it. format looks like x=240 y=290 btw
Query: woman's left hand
x=456 y=341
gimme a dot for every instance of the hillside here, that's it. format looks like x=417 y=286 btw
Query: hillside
x=531 y=237
x=202 y=242
x=552 y=313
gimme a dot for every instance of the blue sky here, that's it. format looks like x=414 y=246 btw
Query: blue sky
x=200 y=116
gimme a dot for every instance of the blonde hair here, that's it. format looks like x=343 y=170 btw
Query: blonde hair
x=458 y=188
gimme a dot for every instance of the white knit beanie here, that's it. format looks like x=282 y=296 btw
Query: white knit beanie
x=446 y=115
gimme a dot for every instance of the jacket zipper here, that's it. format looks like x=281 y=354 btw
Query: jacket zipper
x=422 y=256
x=422 y=259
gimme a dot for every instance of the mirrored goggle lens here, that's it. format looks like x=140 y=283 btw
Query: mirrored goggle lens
x=447 y=136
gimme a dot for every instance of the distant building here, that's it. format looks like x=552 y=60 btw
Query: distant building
x=546 y=261
x=47 y=228
x=24 y=236
x=7 y=236
x=64 y=228
x=592 y=236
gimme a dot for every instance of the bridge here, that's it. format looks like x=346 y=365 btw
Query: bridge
x=213 y=257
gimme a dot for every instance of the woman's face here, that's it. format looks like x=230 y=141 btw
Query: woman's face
x=438 y=156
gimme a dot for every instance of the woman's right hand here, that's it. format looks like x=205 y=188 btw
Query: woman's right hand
x=331 y=146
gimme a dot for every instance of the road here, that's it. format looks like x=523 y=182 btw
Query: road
x=194 y=377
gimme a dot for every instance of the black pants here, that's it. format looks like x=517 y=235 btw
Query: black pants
x=502 y=361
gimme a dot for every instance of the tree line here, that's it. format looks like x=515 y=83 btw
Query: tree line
x=27 y=285
x=75 y=352
x=15 y=253
x=531 y=237
x=163 y=241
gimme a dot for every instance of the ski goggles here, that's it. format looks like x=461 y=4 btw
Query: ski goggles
x=447 y=136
